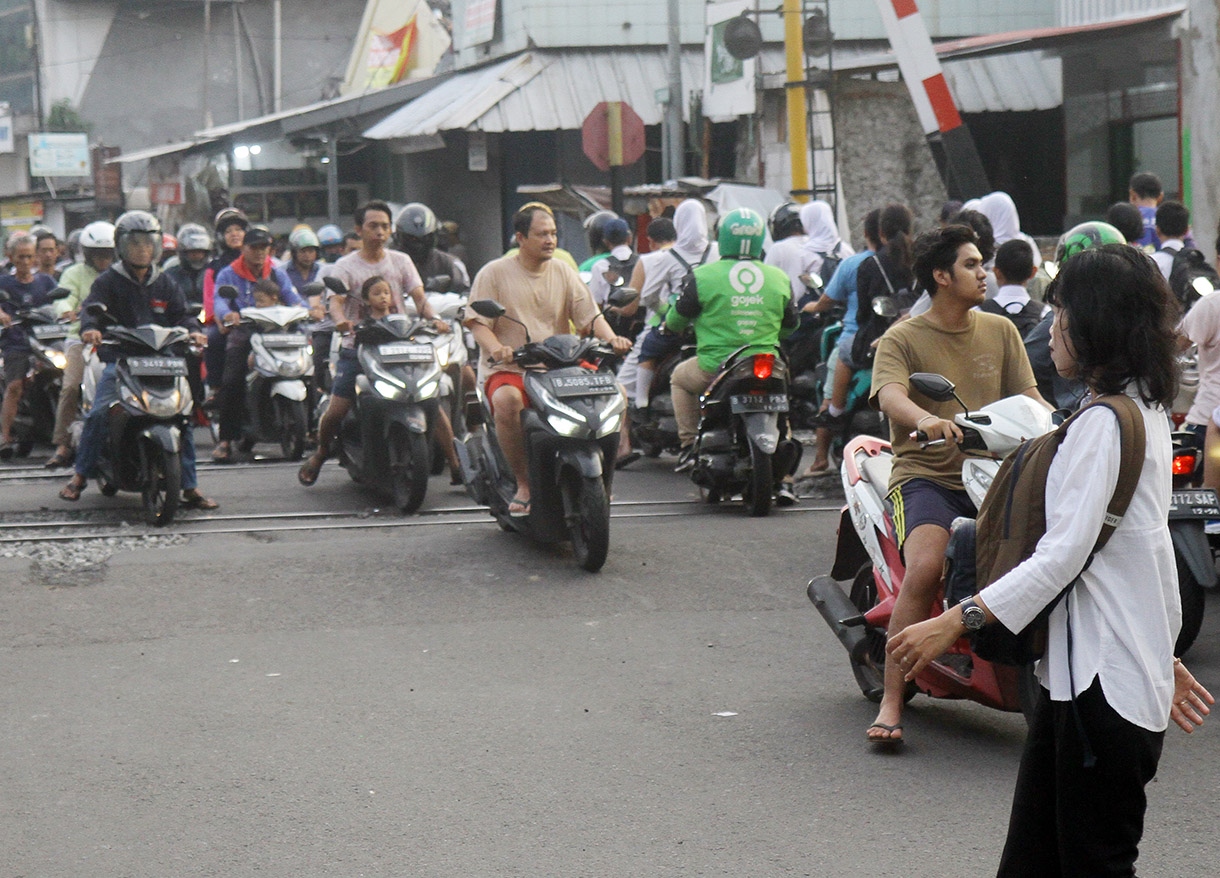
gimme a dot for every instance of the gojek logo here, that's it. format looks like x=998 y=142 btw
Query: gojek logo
x=746 y=278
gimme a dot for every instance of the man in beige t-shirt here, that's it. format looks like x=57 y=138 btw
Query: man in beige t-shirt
x=983 y=355
x=549 y=298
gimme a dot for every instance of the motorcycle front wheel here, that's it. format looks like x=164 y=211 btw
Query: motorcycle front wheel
x=162 y=485
x=588 y=517
x=290 y=415
x=409 y=467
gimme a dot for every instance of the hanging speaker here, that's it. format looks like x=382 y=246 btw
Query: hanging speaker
x=742 y=37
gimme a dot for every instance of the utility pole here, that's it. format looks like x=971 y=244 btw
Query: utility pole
x=798 y=120
x=207 y=64
x=277 y=37
x=673 y=164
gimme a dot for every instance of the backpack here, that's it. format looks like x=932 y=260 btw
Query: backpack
x=869 y=326
x=1012 y=519
x=1025 y=318
x=1189 y=264
x=663 y=309
x=830 y=264
x=618 y=273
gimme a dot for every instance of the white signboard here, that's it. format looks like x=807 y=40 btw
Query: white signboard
x=480 y=23
x=6 y=130
x=59 y=155
x=728 y=84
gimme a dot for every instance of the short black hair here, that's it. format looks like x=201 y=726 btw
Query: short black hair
x=872 y=226
x=978 y=221
x=1122 y=319
x=268 y=286
x=352 y=236
x=1126 y=217
x=949 y=210
x=662 y=229
x=1015 y=260
x=524 y=218
x=937 y=250
x=43 y=235
x=1173 y=219
x=1146 y=184
x=373 y=205
x=367 y=286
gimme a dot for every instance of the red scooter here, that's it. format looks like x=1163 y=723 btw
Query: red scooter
x=868 y=560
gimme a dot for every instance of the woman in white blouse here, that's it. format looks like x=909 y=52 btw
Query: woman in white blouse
x=1096 y=736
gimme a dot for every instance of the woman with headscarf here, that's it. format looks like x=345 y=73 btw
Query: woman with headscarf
x=1001 y=210
x=824 y=249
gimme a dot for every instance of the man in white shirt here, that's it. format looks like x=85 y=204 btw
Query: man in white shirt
x=787 y=250
x=1172 y=227
x=616 y=269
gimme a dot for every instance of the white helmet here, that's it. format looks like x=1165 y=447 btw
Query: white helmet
x=99 y=234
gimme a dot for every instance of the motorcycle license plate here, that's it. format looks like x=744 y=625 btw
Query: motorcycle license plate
x=162 y=366
x=1196 y=503
x=595 y=384
x=49 y=332
x=407 y=353
x=759 y=402
x=283 y=340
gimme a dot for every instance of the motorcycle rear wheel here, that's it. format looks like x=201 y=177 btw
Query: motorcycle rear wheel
x=761 y=487
x=409 y=467
x=868 y=662
x=588 y=517
x=162 y=487
x=1193 y=599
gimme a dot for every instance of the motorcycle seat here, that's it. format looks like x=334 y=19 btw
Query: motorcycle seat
x=877 y=471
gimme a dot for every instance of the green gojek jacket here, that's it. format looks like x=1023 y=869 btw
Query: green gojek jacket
x=734 y=302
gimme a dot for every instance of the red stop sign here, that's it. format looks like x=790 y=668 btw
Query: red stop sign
x=613 y=134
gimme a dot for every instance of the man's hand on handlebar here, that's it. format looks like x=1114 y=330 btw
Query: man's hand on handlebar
x=622 y=346
x=932 y=429
x=91 y=337
x=197 y=338
x=502 y=356
x=442 y=326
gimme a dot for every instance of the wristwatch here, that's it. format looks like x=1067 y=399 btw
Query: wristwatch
x=973 y=616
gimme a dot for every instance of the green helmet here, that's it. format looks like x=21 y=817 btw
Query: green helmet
x=741 y=234
x=1086 y=236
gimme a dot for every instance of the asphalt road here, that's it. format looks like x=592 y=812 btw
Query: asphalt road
x=446 y=699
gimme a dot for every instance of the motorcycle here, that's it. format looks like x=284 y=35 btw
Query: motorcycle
x=744 y=444
x=1190 y=508
x=867 y=556
x=385 y=441
x=655 y=429
x=48 y=339
x=143 y=451
x=451 y=354
x=574 y=409
x=278 y=383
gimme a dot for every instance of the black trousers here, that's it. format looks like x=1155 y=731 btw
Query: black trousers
x=233 y=384
x=1069 y=821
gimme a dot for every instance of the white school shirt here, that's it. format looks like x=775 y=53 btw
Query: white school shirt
x=1125 y=611
x=1164 y=257
x=789 y=256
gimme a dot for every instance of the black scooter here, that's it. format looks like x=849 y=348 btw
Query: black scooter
x=143 y=450
x=744 y=444
x=570 y=425
x=48 y=337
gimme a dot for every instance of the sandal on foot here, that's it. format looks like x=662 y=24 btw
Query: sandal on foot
x=195 y=500
x=7 y=450
x=523 y=508
x=626 y=460
x=222 y=453
x=71 y=492
x=59 y=460
x=887 y=743
x=308 y=473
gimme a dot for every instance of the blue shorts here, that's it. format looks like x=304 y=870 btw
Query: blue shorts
x=922 y=501
x=346 y=371
x=845 y=343
x=658 y=345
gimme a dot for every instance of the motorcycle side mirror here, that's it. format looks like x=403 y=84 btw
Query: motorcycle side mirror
x=59 y=293
x=99 y=312
x=228 y=291
x=812 y=281
x=885 y=306
x=313 y=288
x=936 y=387
x=621 y=297
x=438 y=283
x=335 y=285
x=488 y=308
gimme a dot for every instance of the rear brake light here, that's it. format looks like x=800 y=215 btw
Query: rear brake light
x=1183 y=464
x=763 y=363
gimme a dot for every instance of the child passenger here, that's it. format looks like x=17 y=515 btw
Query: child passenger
x=266 y=294
x=378 y=300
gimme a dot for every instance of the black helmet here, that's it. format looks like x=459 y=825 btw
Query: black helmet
x=594 y=225
x=785 y=220
x=415 y=230
x=137 y=226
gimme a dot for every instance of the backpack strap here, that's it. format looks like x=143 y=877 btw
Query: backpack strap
x=885 y=277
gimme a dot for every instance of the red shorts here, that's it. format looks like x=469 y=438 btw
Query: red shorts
x=500 y=379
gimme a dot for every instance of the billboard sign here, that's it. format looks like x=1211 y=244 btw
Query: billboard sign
x=59 y=155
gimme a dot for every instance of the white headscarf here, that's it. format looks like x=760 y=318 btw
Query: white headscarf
x=999 y=208
x=820 y=229
x=690 y=222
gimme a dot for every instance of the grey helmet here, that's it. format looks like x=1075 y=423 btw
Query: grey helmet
x=137 y=226
x=193 y=238
x=415 y=231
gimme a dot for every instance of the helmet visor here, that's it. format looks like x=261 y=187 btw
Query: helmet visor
x=140 y=249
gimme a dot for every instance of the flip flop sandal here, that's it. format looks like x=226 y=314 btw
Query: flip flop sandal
x=525 y=508
x=58 y=461
x=71 y=492
x=7 y=450
x=889 y=743
x=198 y=501
x=307 y=475
x=627 y=459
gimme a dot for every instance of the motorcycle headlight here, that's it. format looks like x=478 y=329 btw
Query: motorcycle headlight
x=428 y=390
x=129 y=397
x=58 y=359
x=386 y=389
x=442 y=355
x=162 y=406
x=612 y=417
x=564 y=426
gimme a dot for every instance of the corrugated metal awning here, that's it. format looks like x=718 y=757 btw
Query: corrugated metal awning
x=1019 y=82
x=152 y=152
x=539 y=91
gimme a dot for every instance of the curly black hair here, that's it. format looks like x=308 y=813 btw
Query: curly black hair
x=1121 y=318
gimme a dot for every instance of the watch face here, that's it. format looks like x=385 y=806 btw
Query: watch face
x=973 y=618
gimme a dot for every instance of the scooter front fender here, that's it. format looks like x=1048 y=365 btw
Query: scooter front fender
x=168 y=436
x=413 y=417
x=586 y=460
x=763 y=430
x=1190 y=543
x=289 y=389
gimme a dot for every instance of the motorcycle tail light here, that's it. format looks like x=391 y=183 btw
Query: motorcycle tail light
x=1183 y=464
x=763 y=364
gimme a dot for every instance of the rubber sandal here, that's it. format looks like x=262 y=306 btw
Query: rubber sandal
x=525 y=508
x=307 y=475
x=58 y=461
x=7 y=450
x=888 y=743
x=198 y=501
x=222 y=454
x=71 y=492
x=627 y=459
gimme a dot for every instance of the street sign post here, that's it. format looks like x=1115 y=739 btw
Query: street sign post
x=613 y=136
